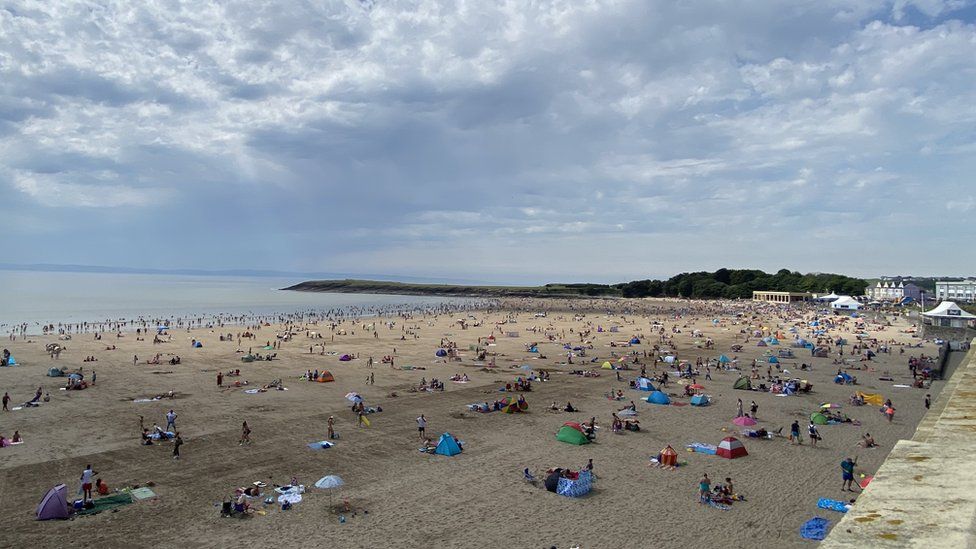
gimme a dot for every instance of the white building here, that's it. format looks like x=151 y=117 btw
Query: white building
x=893 y=290
x=963 y=290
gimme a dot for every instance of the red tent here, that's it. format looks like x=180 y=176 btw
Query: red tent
x=669 y=458
x=731 y=448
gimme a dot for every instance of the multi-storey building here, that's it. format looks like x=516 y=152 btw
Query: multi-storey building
x=962 y=290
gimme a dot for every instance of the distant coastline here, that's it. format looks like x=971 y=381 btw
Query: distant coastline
x=354 y=286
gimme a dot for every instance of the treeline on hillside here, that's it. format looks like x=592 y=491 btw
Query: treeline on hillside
x=740 y=283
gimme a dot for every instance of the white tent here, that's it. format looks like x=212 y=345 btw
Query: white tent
x=950 y=315
x=829 y=297
x=846 y=303
x=948 y=309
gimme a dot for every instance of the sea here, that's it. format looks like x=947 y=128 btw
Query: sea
x=39 y=298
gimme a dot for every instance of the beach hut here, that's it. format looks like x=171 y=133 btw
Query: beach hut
x=731 y=448
x=325 y=377
x=571 y=435
x=818 y=419
x=657 y=397
x=700 y=400
x=447 y=446
x=54 y=505
x=668 y=457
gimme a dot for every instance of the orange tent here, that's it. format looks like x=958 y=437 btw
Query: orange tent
x=669 y=458
x=326 y=376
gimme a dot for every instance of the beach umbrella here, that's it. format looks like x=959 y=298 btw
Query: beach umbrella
x=330 y=483
x=744 y=421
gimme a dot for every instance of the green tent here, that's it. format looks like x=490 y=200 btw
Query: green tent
x=818 y=419
x=571 y=436
x=742 y=383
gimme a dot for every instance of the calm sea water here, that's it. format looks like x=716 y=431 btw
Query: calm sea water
x=45 y=297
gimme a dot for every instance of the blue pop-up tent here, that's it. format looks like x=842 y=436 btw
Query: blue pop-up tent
x=657 y=397
x=447 y=446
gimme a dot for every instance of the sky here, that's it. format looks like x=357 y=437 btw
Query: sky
x=501 y=141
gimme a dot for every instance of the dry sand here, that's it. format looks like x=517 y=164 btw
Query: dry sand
x=476 y=499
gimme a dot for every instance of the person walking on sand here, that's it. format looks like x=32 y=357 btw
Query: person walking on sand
x=422 y=426
x=738 y=408
x=171 y=420
x=245 y=434
x=753 y=408
x=928 y=402
x=795 y=433
x=176 y=446
x=847 y=472
x=331 y=427
x=6 y=401
x=135 y=359
x=704 y=488
x=361 y=417
x=220 y=379
x=814 y=435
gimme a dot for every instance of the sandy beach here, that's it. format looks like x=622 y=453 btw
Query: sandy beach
x=400 y=497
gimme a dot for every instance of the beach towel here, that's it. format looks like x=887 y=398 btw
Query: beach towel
x=833 y=505
x=320 y=445
x=815 y=529
x=252 y=391
x=718 y=505
x=702 y=448
x=903 y=386
x=142 y=493
x=107 y=503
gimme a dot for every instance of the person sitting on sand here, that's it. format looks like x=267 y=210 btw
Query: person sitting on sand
x=146 y=438
x=101 y=487
x=16 y=438
x=241 y=505
x=569 y=407
x=554 y=407
x=428 y=446
x=867 y=441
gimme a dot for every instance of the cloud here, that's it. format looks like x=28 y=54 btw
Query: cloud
x=607 y=139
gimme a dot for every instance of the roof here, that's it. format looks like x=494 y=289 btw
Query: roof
x=948 y=309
